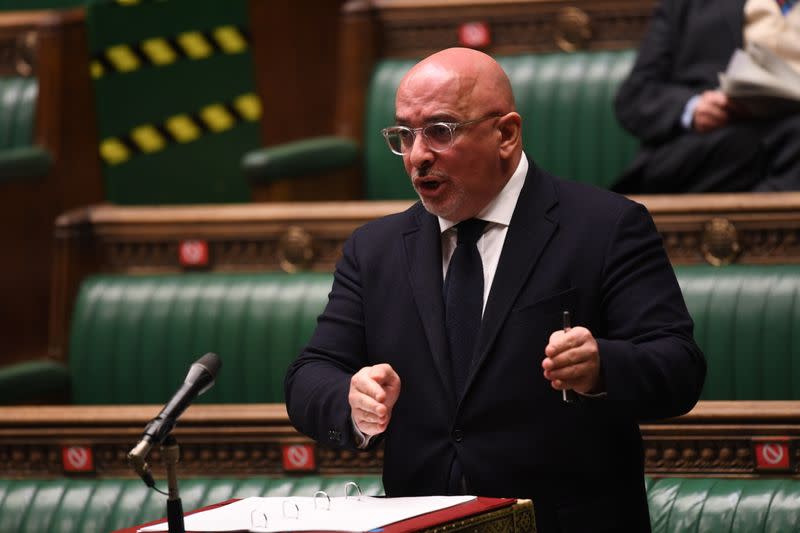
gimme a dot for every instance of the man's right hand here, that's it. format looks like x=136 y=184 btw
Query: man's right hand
x=713 y=111
x=373 y=392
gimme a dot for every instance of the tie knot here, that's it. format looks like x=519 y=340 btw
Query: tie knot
x=786 y=5
x=470 y=230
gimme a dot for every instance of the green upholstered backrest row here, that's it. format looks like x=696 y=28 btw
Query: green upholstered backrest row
x=101 y=506
x=565 y=101
x=133 y=337
x=17 y=111
x=746 y=322
x=724 y=505
x=98 y=506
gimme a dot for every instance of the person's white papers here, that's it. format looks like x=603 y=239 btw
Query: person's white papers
x=761 y=83
x=299 y=514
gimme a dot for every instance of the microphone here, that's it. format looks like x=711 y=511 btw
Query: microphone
x=198 y=380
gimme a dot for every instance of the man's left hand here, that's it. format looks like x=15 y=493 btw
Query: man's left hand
x=572 y=361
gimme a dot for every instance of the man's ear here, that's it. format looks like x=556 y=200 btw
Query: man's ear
x=510 y=128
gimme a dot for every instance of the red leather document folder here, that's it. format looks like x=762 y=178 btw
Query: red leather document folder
x=475 y=508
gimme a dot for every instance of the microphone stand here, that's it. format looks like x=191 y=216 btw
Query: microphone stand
x=170 y=453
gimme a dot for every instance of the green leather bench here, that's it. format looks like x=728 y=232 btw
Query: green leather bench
x=20 y=158
x=565 y=100
x=724 y=505
x=746 y=320
x=133 y=337
x=677 y=505
x=103 y=505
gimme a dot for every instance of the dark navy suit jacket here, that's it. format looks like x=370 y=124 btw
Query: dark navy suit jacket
x=568 y=247
x=686 y=46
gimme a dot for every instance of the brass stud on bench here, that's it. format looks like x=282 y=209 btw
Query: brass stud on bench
x=720 y=245
x=295 y=249
x=573 y=29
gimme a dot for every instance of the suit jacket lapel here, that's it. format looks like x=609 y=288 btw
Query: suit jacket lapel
x=530 y=230
x=424 y=255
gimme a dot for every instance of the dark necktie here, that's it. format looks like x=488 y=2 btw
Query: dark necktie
x=463 y=299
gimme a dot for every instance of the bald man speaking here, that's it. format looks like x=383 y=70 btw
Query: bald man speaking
x=444 y=335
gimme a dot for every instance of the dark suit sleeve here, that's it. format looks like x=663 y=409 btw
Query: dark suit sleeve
x=318 y=381
x=649 y=360
x=649 y=103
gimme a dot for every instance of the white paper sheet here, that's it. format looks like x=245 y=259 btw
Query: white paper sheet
x=299 y=514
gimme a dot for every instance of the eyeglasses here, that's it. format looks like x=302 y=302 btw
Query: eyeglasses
x=439 y=136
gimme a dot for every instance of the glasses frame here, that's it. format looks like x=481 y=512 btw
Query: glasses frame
x=452 y=126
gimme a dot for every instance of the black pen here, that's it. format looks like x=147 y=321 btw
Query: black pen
x=567 y=396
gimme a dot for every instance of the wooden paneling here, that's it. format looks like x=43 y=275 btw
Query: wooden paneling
x=65 y=126
x=715 y=439
x=294 y=48
x=697 y=229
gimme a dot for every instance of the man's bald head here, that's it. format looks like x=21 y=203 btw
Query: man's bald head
x=466 y=92
x=479 y=81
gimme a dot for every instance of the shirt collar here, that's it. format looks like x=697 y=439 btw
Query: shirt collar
x=502 y=206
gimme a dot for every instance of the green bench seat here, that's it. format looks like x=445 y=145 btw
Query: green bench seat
x=746 y=321
x=133 y=337
x=20 y=158
x=677 y=505
x=680 y=505
x=103 y=505
x=565 y=100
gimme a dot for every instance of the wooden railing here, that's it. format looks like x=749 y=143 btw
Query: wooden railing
x=717 y=439
x=697 y=229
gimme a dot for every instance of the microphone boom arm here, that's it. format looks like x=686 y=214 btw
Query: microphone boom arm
x=199 y=379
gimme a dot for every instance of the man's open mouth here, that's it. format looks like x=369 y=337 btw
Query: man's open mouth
x=430 y=185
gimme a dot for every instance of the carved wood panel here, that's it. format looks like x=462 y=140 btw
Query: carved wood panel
x=717 y=439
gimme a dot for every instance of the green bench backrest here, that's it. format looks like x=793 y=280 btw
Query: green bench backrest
x=17 y=111
x=133 y=337
x=677 y=505
x=746 y=321
x=104 y=505
x=565 y=100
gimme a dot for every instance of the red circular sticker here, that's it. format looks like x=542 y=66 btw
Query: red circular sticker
x=474 y=34
x=772 y=453
x=193 y=253
x=77 y=459
x=298 y=457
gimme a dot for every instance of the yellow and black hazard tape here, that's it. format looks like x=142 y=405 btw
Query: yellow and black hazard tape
x=163 y=51
x=180 y=129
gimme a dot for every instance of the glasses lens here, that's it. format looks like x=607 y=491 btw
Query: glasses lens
x=439 y=136
x=399 y=139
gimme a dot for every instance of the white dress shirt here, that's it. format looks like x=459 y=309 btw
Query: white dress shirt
x=498 y=215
